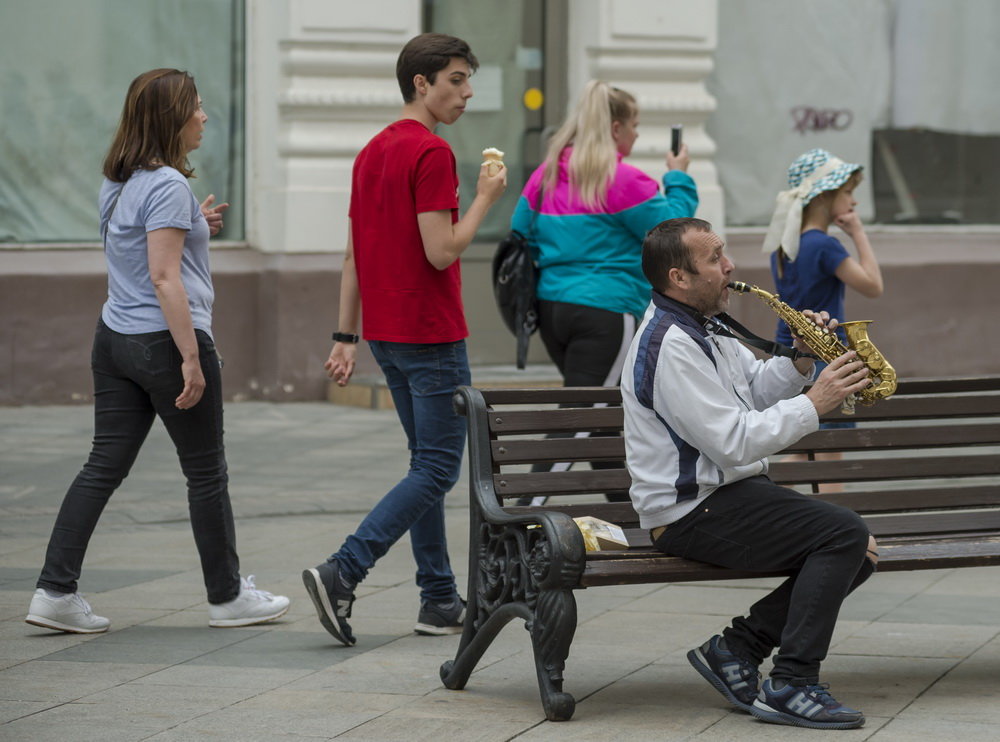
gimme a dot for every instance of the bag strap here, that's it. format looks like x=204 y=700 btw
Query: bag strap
x=534 y=214
x=770 y=347
x=107 y=225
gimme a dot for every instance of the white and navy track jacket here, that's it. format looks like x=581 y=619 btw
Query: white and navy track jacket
x=701 y=411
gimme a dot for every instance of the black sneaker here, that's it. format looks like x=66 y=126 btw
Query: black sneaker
x=333 y=598
x=804 y=706
x=734 y=677
x=440 y=619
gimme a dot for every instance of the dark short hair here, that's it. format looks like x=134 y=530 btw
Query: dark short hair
x=664 y=248
x=158 y=105
x=428 y=54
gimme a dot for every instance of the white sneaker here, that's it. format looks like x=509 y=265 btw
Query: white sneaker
x=68 y=612
x=249 y=607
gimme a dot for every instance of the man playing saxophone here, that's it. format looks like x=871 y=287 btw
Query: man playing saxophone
x=701 y=416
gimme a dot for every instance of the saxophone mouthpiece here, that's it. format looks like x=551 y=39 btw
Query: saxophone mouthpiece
x=739 y=286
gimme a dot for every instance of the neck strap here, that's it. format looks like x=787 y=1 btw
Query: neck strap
x=770 y=347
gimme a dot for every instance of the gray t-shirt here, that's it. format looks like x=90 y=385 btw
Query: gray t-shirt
x=152 y=199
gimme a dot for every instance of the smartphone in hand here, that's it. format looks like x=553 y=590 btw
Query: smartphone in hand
x=675 y=138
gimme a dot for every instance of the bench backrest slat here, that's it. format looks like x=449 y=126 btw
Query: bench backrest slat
x=870 y=470
x=520 y=422
x=926 y=408
x=562 y=483
x=949 y=495
x=937 y=431
x=551 y=450
x=508 y=451
x=923 y=524
x=885 y=436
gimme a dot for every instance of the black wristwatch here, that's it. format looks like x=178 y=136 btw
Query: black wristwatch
x=344 y=337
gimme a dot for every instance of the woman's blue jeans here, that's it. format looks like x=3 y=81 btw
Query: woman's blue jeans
x=136 y=379
x=422 y=379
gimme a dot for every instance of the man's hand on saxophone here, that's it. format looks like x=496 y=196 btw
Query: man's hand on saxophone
x=845 y=376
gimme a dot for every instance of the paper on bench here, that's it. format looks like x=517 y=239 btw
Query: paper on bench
x=599 y=535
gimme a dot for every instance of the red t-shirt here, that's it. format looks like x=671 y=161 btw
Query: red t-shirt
x=404 y=170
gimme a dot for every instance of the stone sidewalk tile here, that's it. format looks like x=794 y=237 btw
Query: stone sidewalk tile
x=885 y=637
x=907 y=728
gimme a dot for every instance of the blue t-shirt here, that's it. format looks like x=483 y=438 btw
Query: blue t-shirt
x=152 y=199
x=810 y=281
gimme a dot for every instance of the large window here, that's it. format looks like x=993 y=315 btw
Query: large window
x=905 y=87
x=67 y=65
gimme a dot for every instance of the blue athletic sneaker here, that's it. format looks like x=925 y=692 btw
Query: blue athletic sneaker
x=734 y=677
x=804 y=706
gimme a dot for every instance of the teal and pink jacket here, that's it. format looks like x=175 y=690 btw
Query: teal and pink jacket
x=593 y=256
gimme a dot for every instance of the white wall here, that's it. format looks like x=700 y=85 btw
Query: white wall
x=661 y=52
x=321 y=82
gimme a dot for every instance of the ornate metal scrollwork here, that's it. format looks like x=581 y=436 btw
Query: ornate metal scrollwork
x=515 y=565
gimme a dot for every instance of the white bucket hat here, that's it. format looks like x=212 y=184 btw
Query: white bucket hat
x=811 y=174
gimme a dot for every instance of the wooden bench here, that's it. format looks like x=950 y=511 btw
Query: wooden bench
x=922 y=468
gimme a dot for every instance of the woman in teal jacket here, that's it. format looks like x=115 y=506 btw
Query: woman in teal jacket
x=585 y=212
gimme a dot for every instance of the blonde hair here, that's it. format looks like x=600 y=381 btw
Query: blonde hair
x=595 y=154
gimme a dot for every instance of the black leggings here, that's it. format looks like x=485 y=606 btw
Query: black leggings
x=588 y=346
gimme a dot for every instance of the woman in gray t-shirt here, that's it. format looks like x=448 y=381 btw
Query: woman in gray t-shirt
x=154 y=356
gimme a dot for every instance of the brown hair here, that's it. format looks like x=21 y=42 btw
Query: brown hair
x=663 y=248
x=428 y=54
x=157 y=106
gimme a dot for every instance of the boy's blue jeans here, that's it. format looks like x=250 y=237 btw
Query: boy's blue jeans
x=422 y=379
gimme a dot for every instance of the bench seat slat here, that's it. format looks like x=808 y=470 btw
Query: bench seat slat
x=644 y=567
x=868 y=502
x=924 y=525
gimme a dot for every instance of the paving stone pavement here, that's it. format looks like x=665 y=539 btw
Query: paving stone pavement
x=918 y=652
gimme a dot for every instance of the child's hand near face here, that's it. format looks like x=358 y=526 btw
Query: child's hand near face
x=850 y=223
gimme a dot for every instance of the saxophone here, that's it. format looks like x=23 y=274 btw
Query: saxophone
x=827 y=346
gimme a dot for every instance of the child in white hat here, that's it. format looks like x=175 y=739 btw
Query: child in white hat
x=810 y=267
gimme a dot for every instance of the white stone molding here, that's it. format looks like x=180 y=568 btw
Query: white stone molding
x=320 y=84
x=661 y=52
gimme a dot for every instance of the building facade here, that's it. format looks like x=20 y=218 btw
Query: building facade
x=306 y=83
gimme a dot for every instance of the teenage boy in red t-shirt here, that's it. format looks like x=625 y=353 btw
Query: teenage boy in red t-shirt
x=401 y=271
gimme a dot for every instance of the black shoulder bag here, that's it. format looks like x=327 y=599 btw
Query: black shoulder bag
x=515 y=277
